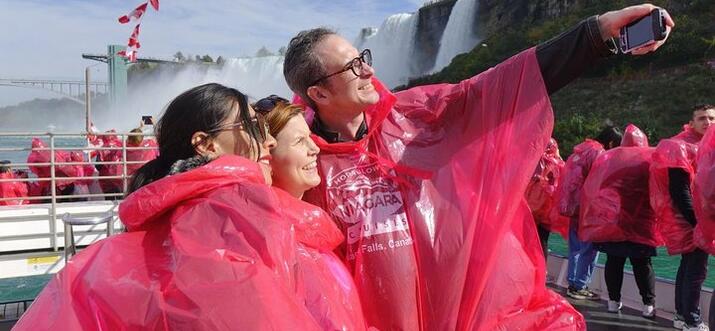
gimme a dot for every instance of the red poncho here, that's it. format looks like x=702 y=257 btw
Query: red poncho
x=541 y=191
x=704 y=194
x=574 y=175
x=144 y=155
x=12 y=190
x=213 y=248
x=676 y=231
x=117 y=169
x=431 y=200
x=44 y=156
x=688 y=135
x=634 y=137
x=615 y=200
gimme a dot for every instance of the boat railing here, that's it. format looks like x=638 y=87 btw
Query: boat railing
x=49 y=205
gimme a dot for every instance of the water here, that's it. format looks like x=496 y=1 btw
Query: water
x=664 y=265
x=25 y=142
x=364 y=34
x=392 y=49
x=458 y=36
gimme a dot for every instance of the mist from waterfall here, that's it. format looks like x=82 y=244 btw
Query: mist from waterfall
x=459 y=36
x=392 y=48
x=256 y=77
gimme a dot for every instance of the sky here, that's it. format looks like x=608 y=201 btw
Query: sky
x=44 y=39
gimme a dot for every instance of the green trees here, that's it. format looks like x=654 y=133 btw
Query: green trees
x=655 y=92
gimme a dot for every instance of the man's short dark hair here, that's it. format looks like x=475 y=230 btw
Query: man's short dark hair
x=301 y=66
x=703 y=107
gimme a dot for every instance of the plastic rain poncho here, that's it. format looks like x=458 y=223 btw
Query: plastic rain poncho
x=615 y=201
x=676 y=231
x=541 y=191
x=212 y=248
x=431 y=201
x=704 y=194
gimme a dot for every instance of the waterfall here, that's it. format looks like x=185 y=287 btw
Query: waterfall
x=396 y=58
x=364 y=34
x=459 y=36
x=392 y=49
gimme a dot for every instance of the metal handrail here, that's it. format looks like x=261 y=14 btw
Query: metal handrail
x=54 y=197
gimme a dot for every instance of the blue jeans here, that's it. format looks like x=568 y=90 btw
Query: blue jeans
x=688 y=282
x=582 y=258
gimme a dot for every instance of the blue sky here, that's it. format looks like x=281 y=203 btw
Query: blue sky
x=45 y=38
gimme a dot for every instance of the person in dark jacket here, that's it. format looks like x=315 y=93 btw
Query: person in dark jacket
x=693 y=264
x=397 y=141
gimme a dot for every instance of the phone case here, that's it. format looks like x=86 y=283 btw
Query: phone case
x=659 y=31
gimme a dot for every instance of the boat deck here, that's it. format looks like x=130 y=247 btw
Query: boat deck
x=599 y=319
x=10 y=312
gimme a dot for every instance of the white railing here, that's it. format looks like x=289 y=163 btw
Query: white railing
x=52 y=203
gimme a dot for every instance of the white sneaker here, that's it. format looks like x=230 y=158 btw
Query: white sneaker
x=614 y=306
x=678 y=322
x=699 y=327
x=648 y=311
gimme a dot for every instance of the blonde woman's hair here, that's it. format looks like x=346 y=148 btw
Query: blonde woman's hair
x=278 y=117
x=135 y=140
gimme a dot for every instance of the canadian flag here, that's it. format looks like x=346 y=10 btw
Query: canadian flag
x=134 y=38
x=130 y=54
x=135 y=14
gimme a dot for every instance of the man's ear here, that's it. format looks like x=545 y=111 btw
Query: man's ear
x=319 y=95
x=203 y=144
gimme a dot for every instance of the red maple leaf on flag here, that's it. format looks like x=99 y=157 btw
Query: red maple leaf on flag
x=134 y=14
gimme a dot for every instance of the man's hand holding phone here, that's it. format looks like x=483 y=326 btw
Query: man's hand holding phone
x=612 y=22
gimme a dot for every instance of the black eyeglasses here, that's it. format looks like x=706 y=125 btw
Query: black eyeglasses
x=267 y=104
x=258 y=124
x=355 y=65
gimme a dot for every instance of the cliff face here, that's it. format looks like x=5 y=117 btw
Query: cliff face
x=495 y=15
x=432 y=21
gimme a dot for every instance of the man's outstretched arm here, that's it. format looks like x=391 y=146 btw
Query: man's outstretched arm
x=566 y=56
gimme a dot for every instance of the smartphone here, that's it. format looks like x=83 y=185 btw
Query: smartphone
x=644 y=31
x=147 y=120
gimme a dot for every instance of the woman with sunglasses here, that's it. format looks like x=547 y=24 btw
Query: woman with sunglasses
x=209 y=245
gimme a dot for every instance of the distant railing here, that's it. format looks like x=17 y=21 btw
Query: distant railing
x=53 y=198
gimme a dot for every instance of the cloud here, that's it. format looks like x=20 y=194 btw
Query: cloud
x=45 y=39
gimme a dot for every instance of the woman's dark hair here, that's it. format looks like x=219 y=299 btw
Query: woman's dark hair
x=203 y=108
x=610 y=137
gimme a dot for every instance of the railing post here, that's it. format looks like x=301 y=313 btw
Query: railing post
x=87 y=101
x=53 y=188
x=124 y=162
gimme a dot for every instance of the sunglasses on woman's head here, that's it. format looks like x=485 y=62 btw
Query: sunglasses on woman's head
x=267 y=104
